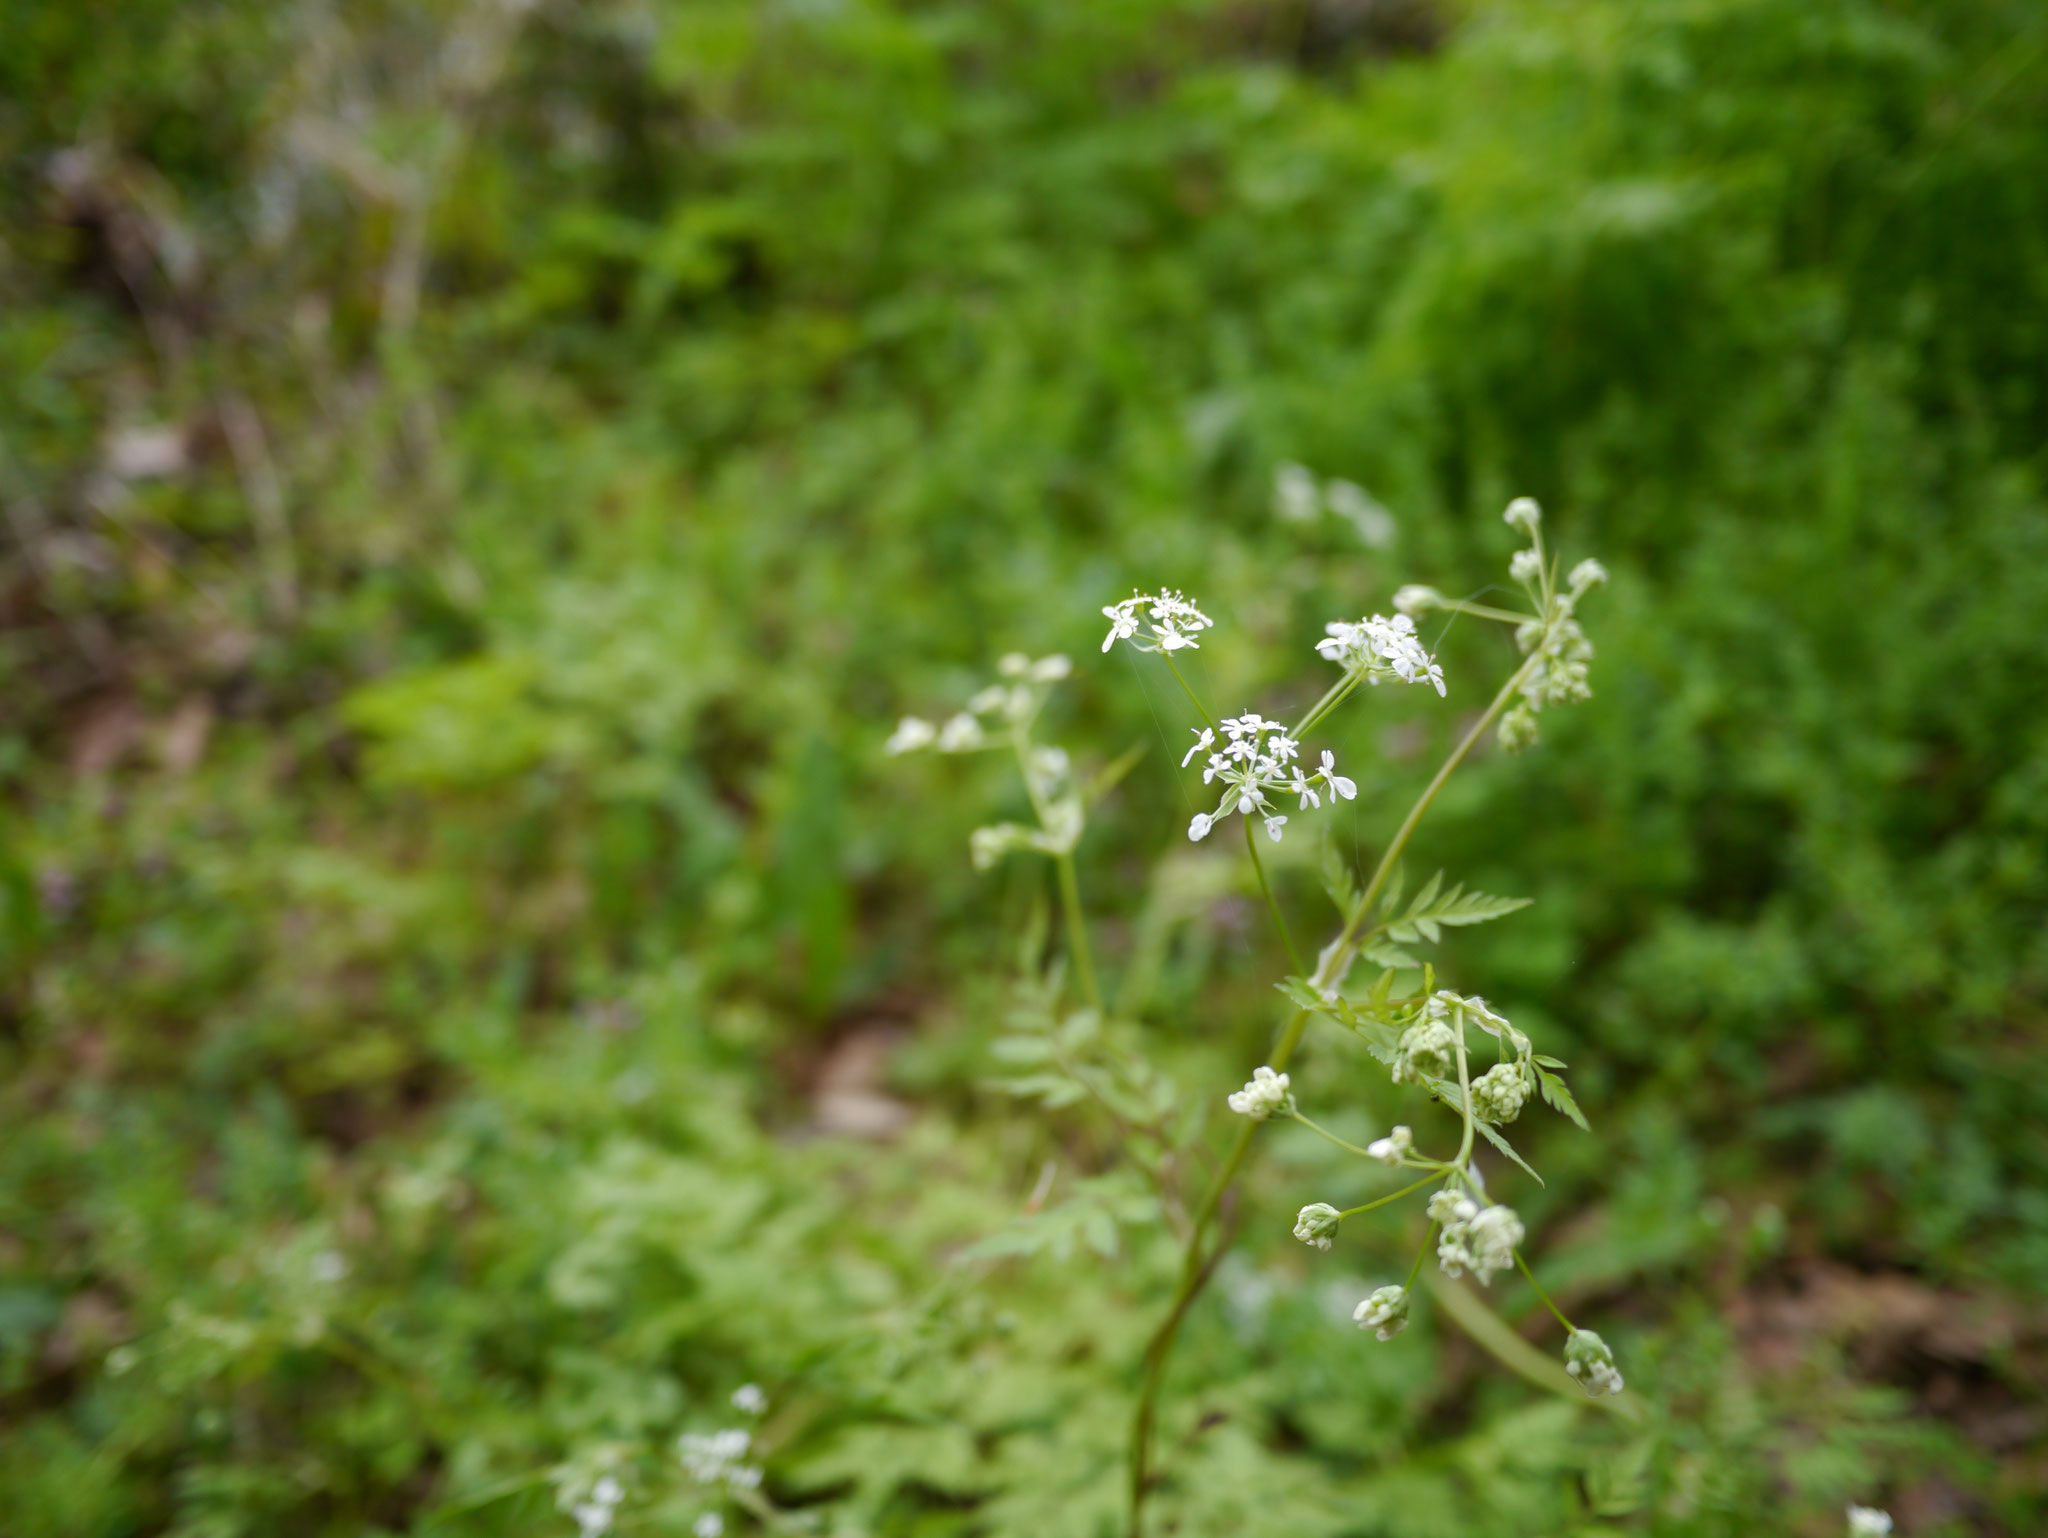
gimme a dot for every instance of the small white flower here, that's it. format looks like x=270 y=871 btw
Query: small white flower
x=1174 y=622
x=1525 y=566
x=1050 y=670
x=1524 y=514
x=1868 y=1522
x=962 y=734
x=1393 y=1148
x=1199 y=826
x=1305 y=790
x=1588 y=573
x=1385 y=1313
x=1265 y=1093
x=606 y=1492
x=1475 y=1238
x=1273 y=827
x=1415 y=599
x=1346 y=788
x=329 y=1266
x=709 y=1525
x=911 y=734
x=1295 y=495
x=713 y=1458
x=1377 y=648
x=748 y=1399
x=1205 y=742
x=1315 y=1224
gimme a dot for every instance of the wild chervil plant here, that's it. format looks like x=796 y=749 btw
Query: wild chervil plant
x=1429 y=1036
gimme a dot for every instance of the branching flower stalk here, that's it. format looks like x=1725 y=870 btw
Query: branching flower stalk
x=1423 y=1035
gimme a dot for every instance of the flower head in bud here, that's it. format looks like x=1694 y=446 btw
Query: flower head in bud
x=1385 y=1313
x=1424 y=1048
x=1264 y=1094
x=1588 y=573
x=1590 y=1360
x=1525 y=566
x=1416 y=599
x=911 y=733
x=1523 y=514
x=1316 y=1224
x=1393 y=1148
x=1868 y=1522
x=1475 y=1238
x=1518 y=728
x=1498 y=1093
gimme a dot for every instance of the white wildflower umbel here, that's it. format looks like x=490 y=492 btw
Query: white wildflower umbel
x=1377 y=649
x=1316 y=1224
x=709 y=1525
x=1392 y=1149
x=1551 y=637
x=1155 y=622
x=1255 y=761
x=1263 y=1095
x=1590 y=1361
x=1385 y=1313
x=749 y=1400
x=719 y=1458
x=1475 y=1238
x=1868 y=1521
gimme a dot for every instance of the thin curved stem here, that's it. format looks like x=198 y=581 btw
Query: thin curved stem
x=1197 y=1269
x=1464 y=1100
x=1251 y=845
x=1396 y=1196
x=1330 y=1137
x=1193 y=698
x=1415 y=1270
x=1570 y=1328
x=1077 y=933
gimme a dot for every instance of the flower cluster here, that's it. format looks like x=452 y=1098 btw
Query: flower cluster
x=594 y=1513
x=1553 y=639
x=1316 y=1224
x=1392 y=1149
x=719 y=1458
x=1256 y=760
x=1498 y=1093
x=1264 y=1094
x=1868 y=1522
x=1171 y=620
x=1385 y=1313
x=1377 y=648
x=1011 y=703
x=1478 y=1239
x=1590 y=1360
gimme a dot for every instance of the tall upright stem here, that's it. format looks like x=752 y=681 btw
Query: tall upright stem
x=1196 y=1266
x=1077 y=933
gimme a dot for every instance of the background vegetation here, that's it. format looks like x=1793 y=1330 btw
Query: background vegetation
x=480 y=483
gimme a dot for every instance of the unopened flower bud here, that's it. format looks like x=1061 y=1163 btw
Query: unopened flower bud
x=1263 y=1094
x=1498 y=1093
x=1524 y=514
x=1589 y=1359
x=1385 y=1313
x=1316 y=1224
x=1393 y=1148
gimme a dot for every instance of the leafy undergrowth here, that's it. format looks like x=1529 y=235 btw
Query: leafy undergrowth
x=479 y=485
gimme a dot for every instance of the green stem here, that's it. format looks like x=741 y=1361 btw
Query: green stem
x=1196 y=1269
x=1382 y=1201
x=1415 y=1270
x=1570 y=1328
x=1330 y=1137
x=1193 y=698
x=1465 y=1101
x=1335 y=695
x=1077 y=933
x=1251 y=844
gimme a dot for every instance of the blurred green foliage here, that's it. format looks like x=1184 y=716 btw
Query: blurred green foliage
x=480 y=482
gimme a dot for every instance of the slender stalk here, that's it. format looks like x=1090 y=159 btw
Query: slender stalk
x=1077 y=933
x=1196 y=1269
x=1251 y=845
x=1464 y=1099
x=1415 y=1270
x=1193 y=698
x=1396 y=1196
x=1330 y=1137
x=1557 y=1312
